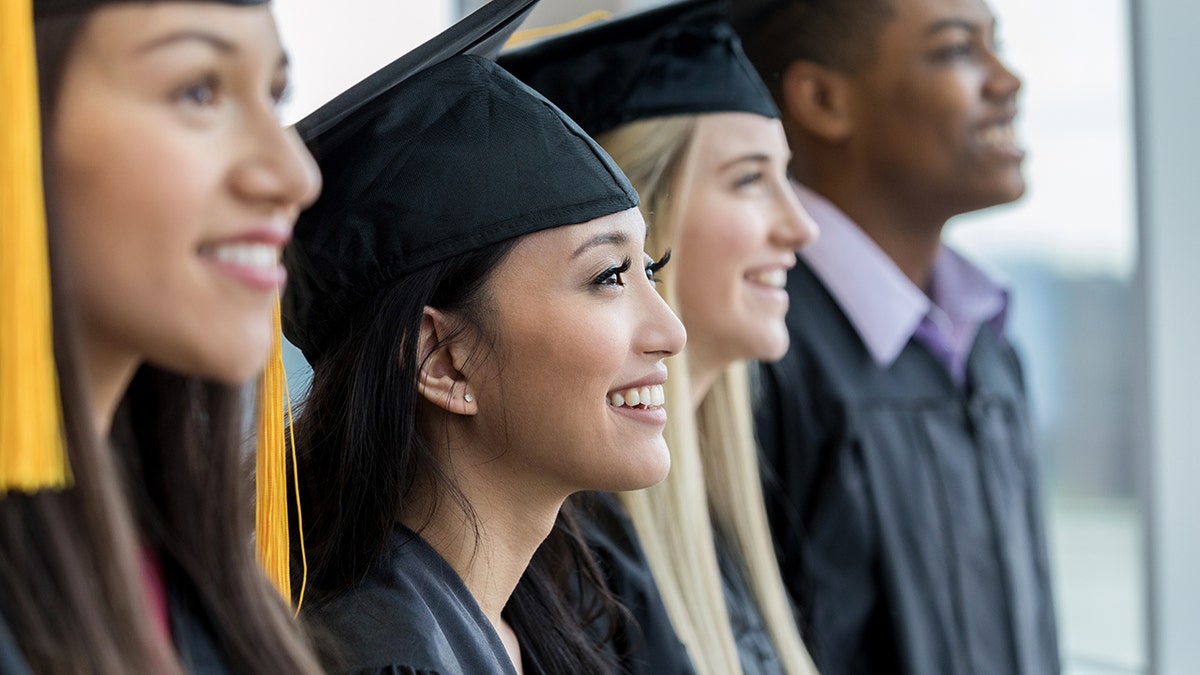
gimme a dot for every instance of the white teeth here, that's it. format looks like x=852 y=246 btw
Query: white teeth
x=265 y=256
x=649 y=397
x=999 y=136
x=776 y=278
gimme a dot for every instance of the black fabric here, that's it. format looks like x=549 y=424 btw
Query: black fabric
x=191 y=630
x=47 y=7
x=906 y=509
x=683 y=58
x=410 y=614
x=451 y=160
x=12 y=661
x=756 y=649
x=649 y=646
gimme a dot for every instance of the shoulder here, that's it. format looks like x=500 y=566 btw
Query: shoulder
x=411 y=614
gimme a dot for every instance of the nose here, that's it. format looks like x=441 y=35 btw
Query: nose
x=794 y=228
x=660 y=332
x=277 y=169
x=1002 y=83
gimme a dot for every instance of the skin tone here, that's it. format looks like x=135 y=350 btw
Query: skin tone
x=921 y=133
x=740 y=228
x=575 y=319
x=177 y=189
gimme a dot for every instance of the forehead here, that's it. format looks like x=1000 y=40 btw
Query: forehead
x=918 y=17
x=126 y=30
x=560 y=244
x=724 y=136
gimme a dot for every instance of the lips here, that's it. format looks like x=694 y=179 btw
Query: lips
x=252 y=258
x=773 y=277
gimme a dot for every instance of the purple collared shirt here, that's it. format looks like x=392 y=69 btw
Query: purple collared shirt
x=886 y=308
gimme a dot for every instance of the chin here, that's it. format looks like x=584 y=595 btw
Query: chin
x=774 y=347
x=653 y=468
x=230 y=367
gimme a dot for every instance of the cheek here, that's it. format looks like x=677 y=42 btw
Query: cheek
x=131 y=218
x=714 y=251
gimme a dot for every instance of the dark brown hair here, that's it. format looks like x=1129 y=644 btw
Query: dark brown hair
x=170 y=478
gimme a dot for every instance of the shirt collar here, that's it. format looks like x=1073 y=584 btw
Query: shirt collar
x=882 y=304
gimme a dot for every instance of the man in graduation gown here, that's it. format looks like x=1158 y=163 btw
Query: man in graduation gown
x=902 y=481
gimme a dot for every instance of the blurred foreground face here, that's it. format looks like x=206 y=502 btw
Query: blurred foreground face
x=739 y=229
x=933 y=111
x=176 y=185
x=573 y=391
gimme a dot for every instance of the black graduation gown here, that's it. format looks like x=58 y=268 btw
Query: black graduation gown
x=411 y=615
x=12 y=661
x=189 y=630
x=906 y=509
x=756 y=649
x=650 y=647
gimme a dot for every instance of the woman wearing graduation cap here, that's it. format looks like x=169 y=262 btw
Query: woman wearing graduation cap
x=473 y=295
x=170 y=189
x=671 y=96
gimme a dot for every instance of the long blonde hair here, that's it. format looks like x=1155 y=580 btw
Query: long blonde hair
x=714 y=476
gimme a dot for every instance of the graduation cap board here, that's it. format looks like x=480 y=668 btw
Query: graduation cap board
x=681 y=58
x=438 y=154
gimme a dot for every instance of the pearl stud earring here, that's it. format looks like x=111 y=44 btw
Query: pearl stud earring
x=468 y=398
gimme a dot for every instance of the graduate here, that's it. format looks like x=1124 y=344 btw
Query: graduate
x=908 y=514
x=671 y=96
x=138 y=292
x=474 y=297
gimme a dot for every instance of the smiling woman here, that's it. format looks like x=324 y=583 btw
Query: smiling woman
x=670 y=95
x=473 y=294
x=171 y=189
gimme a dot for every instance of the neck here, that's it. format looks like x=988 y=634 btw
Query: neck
x=702 y=375
x=909 y=233
x=512 y=524
x=108 y=372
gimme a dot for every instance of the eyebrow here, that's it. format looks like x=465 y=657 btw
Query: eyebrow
x=215 y=41
x=614 y=238
x=757 y=158
x=949 y=24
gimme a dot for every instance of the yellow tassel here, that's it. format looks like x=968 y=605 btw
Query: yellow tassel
x=271 y=480
x=530 y=34
x=32 y=450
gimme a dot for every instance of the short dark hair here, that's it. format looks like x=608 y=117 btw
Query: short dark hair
x=840 y=34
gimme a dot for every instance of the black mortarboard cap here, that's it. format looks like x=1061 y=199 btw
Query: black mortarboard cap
x=43 y=7
x=682 y=58
x=438 y=154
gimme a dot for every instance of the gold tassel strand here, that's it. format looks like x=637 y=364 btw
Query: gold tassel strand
x=271 y=516
x=32 y=450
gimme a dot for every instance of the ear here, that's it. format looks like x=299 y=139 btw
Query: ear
x=818 y=100
x=441 y=379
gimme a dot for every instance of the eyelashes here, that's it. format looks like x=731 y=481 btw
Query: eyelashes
x=615 y=275
x=654 y=268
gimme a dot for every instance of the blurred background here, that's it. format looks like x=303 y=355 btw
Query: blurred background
x=1103 y=285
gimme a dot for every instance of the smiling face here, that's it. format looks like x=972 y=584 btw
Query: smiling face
x=933 y=112
x=577 y=323
x=736 y=236
x=176 y=185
